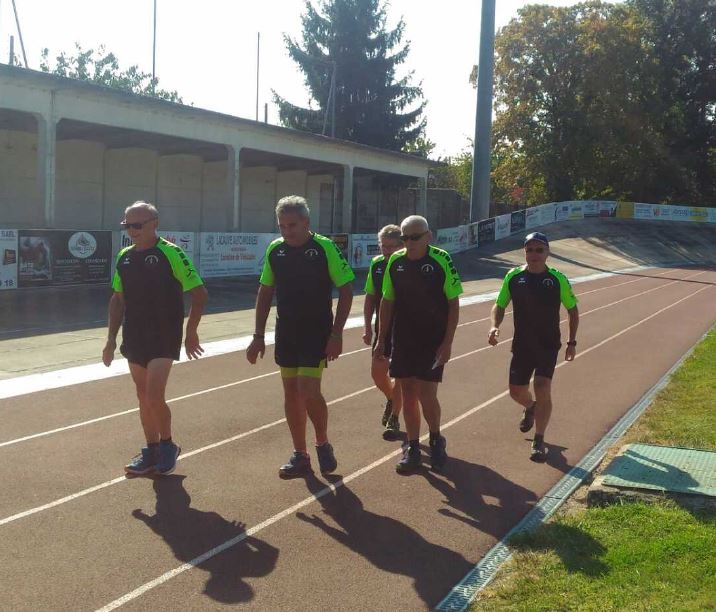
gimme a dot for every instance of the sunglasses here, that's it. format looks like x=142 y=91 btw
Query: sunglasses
x=413 y=237
x=534 y=249
x=136 y=226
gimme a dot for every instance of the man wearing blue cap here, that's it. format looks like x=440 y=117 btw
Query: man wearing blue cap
x=536 y=292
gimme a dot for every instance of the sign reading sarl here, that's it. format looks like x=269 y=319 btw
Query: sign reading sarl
x=63 y=257
x=8 y=261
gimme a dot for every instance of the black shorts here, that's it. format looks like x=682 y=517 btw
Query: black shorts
x=537 y=361
x=142 y=350
x=300 y=345
x=388 y=343
x=410 y=361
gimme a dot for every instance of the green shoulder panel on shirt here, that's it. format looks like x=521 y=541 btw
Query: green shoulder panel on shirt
x=338 y=268
x=388 y=289
x=267 y=277
x=369 y=285
x=504 y=297
x=566 y=294
x=182 y=267
x=116 y=279
x=452 y=286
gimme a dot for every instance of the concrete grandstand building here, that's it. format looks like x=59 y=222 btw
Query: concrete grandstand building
x=74 y=154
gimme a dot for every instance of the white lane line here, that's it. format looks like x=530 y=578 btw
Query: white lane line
x=109 y=483
x=240 y=382
x=138 y=592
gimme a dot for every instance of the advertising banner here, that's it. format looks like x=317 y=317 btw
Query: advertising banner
x=63 y=257
x=625 y=210
x=486 y=231
x=561 y=211
x=547 y=213
x=607 y=209
x=533 y=218
x=236 y=254
x=183 y=239
x=364 y=247
x=662 y=212
x=576 y=210
x=696 y=213
x=518 y=221
x=712 y=215
x=679 y=213
x=452 y=239
x=8 y=263
x=643 y=211
x=590 y=208
x=502 y=226
x=472 y=240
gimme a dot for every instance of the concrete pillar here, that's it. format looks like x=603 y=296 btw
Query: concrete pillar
x=46 y=160
x=233 y=186
x=421 y=207
x=347 y=221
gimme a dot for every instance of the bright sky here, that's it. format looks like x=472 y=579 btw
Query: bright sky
x=206 y=49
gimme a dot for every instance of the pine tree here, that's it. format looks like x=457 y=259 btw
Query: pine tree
x=371 y=106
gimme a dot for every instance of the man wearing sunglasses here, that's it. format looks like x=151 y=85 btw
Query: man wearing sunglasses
x=150 y=278
x=420 y=296
x=536 y=292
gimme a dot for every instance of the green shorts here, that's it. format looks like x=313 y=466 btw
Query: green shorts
x=303 y=371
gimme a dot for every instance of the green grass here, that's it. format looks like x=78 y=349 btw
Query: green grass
x=631 y=556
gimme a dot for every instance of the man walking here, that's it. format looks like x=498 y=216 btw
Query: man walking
x=302 y=268
x=536 y=292
x=389 y=242
x=420 y=296
x=150 y=277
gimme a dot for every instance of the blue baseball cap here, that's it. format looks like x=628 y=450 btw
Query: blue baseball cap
x=536 y=236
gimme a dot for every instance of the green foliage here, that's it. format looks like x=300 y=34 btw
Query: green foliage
x=372 y=105
x=102 y=68
x=608 y=100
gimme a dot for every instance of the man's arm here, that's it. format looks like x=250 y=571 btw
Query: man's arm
x=571 y=351
x=334 y=346
x=115 y=315
x=263 y=307
x=496 y=317
x=199 y=297
x=385 y=317
x=445 y=348
x=368 y=310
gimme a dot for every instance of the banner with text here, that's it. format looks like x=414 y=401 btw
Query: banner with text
x=183 y=239
x=364 y=247
x=518 y=221
x=485 y=231
x=232 y=254
x=8 y=263
x=533 y=218
x=502 y=226
x=453 y=239
x=63 y=257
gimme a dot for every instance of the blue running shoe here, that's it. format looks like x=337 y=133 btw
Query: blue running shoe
x=326 y=459
x=411 y=460
x=438 y=453
x=168 y=454
x=298 y=465
x=143 y=463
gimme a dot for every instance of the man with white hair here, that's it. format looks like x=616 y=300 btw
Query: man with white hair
x=149 y=280
x=302 y=268
x=420 y=295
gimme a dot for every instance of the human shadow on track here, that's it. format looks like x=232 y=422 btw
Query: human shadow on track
x=191 y=532
x=385 y=542
x=467 y=487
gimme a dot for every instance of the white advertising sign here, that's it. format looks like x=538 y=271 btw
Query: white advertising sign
x=662 y=212
x=561 y=211
x=453 y=239
x=712 y=215
x=590 y=208
x=576 y=210
x=183 y=239
x=472 y=240
x=547 y=213
x=532 y=217
x=224 y=254
x=364 y=247
x=699 y=214
x=8 y=261
x=643 y=211
x=607 y=209
x=502 y=226
x=679 y=213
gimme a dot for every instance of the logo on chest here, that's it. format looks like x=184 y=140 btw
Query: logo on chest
x=311 y=254
x=427 y=269
x=151 y=260
x=548 y=283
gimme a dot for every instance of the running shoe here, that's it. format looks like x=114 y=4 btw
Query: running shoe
x=392 y=428
x=411 y=460
x=438 y=453
x=143 y=463
x=299 y=464
x=387 y=412
x=168 y=454
x=326 y=459
x=538 y=452
x=528 y=418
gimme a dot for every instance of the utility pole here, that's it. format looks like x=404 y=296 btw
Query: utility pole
x=258 y=57
x=19 y=33
x=11 y=60
x=482 y=147
x=154 y=51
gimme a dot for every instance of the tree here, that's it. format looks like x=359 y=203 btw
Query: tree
x=372 y=105
x=98 y=66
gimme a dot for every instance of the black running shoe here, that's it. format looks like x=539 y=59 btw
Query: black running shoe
x=392 y=428
x=438 y=454
x=388 y=410
x=538 y=453
x=411 y=460
x=528 y=418
x=298 y=465
x=326 y=459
